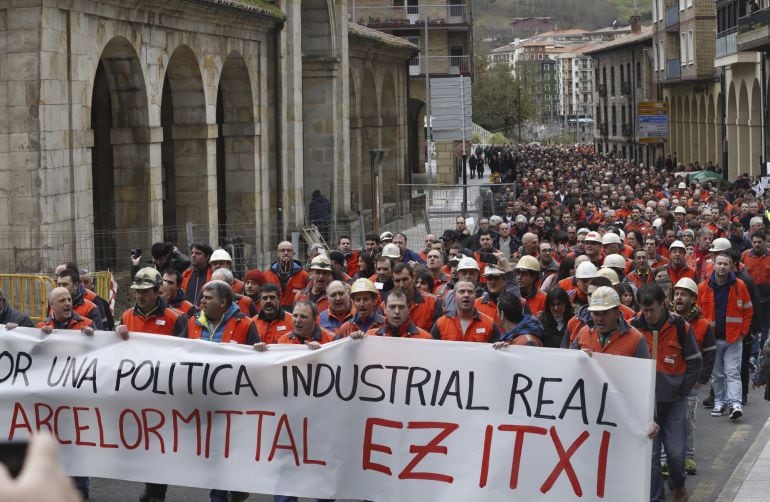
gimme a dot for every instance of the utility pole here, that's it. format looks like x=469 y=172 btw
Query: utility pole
x=465 y=153
x=428 y=117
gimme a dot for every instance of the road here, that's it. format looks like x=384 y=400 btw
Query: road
x=719 y=446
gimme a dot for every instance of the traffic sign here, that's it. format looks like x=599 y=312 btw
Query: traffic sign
x=653 y=121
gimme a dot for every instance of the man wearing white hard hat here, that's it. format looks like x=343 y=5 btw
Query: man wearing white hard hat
x=593 y=248
x=222 y=259
x=677 y=263
x=527 y=275
x=320 y=277
x=610 y=334
x=365 y=297
x=577 y=286
x=684 y=304
x=679 y=363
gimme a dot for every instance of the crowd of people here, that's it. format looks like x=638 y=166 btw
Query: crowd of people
x=588 y=252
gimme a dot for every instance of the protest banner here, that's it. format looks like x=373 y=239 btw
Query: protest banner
x=375 y=419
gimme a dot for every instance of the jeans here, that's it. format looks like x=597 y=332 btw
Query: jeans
x=672 y=419
x=726 y=378
x=692 y=405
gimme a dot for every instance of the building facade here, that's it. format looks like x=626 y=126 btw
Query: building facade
x=622 y=78
x=684 y=47
x=442 y=29
x=126 y=124
x=576 y=92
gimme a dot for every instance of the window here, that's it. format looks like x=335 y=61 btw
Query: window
x=682 y=4
x=612 y=80
x=638 y=74
x=661 y=56
x=683 y=48
x=689 y=3
x=690 y=48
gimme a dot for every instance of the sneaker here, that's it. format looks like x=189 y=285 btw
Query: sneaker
x=690 y=467
x=708 y=403
x=664 y=469
x=736 y=412
x=718 y=410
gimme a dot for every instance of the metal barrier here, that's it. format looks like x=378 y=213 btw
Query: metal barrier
x=28 y=293
x=103 y=284
x=423 y=209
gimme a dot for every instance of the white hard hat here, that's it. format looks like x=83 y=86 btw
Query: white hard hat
x=609 y=274
x=220 y=255
x=586 y=270
x=528 y=263
x=147 y=278
x=677 y=244
x=680 y=210
x=614 y=260
x=582 y=230
x=391 y=251
x=594 y=237
x=468 y=263
x=720 y=244
x=363 y=285
x=386 y=236
x=657 y=222
x=611 y=238
x=321 y=262
x=493 y=269
x=688 y=284
x=682 y=184
x=604 y=298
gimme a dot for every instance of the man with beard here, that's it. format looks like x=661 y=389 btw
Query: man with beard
x=466 y=324
x=642 y=274
x=485 y=249
x=320 y=277
x=273 y=321
x=199 y=272
x=173 y=294
x=397 y=323
x=288 y=274
x=684 y=304
x=350 y=255
x=677 y=264
x=383 y=275
x=527 y=276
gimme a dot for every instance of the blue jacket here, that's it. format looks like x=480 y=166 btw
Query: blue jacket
x=529 y=325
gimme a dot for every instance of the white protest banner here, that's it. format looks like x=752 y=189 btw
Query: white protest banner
x=375 y=419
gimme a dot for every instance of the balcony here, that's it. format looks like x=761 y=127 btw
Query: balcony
x=672 y=17
x=673 y=68
x=390 y=17
x=726 y=42
x=602 y=90
x=625 y=88
x=754 y=31
x=440 y=65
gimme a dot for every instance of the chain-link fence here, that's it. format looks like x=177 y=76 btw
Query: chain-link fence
x=423 y=209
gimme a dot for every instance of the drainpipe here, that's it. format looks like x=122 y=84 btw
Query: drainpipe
x=763 y=115
x=723 y=111
x=278 y=125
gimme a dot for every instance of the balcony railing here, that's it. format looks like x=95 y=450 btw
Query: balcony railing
x=754 y=31
x=673 y=68
x=726 y=42
x=672 y=16
x=389 y=16
x=440 y=65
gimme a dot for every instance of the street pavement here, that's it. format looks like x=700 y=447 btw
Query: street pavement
x=725 y=452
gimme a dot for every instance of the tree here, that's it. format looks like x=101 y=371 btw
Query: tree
x=500 y=101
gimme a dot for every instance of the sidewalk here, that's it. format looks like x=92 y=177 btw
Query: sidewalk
x=750 y=481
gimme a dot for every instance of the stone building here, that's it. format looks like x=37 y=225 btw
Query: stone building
x=442 y=29
x=623 y=79
x=124 y=123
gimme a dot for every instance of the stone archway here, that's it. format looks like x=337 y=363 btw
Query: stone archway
x=755 y=129
x=685 y=153
x=120 y=157
x=711 y=138
x=237 y=159
x=732 y=132
x=699 y=134
x=744 y=135
x=416 y=135
x=392 y=166
x=370 y=128
x=187 y=144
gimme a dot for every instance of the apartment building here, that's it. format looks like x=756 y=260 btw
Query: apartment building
x=442 y=29
x=684 y=47
x=623 y=79
x=576 y=91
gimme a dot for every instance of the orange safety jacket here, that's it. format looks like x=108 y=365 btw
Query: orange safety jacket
x=758 y=267
x=408 y=330
x=424 y=309
x=187 y=274
x=270 y=331
x=294 y=284
x=482 y=328
x=319 y=335
x=246 y=305
x=322 y=302
x=74 y=322
x=237 y=286
x=486 y=306
x=238 y=329
x=536 y=301
x=739 y=309
x=624 y=341
x=676 y=274
x=161 y=320
x=374 y=322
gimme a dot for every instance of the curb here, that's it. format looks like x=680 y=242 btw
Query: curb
x=742 y=470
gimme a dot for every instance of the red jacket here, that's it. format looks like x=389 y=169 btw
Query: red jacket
x=481 y=329
x=294 y=283
x=238 y=329
x=739 y=309
x=74 y=322
x=271 y=331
